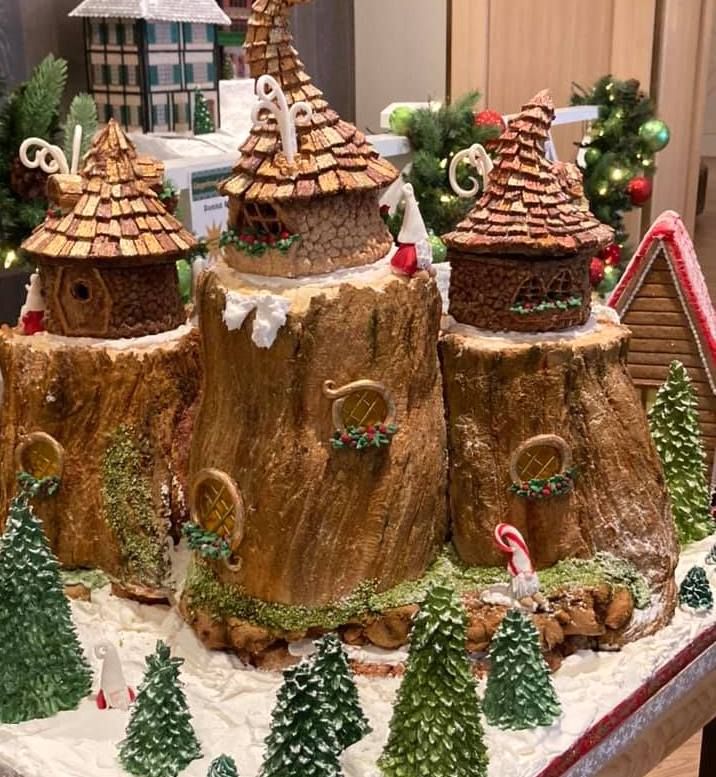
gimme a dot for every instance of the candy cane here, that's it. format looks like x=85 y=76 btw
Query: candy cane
x=509 y=540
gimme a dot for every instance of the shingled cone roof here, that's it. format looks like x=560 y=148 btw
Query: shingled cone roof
x=333 y=155
x=118 y=218
x=524 y=209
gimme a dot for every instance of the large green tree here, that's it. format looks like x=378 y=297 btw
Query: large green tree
x=160 y=740
x=674 y=425
x=519 y=690
x=436 y=729
x=339 y=691
x=43 y=668
x=302 y=741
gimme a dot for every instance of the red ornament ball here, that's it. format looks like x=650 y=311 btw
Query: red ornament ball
x=488 y=118
x=596 y=272
x=611 y=255
x=639 y=190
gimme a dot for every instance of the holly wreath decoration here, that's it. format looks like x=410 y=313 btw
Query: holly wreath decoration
x=617 y=157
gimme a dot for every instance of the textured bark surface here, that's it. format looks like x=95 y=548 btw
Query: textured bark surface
x=500 y=393
x=320 y=521
x=484 y=288
x=90 y=398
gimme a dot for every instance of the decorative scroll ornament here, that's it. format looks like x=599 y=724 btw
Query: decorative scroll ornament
x=480 y=161
x=49 y=158
x=272 y=98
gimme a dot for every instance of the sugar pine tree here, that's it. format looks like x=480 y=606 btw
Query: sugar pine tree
x=674 y=426
x=223 y=766
x=160 y=739
x=695 y=591
x=43 y=667
x=203 y=121
x=302 y=741
x=339 y=691
x=519 y=692
x=436 y=729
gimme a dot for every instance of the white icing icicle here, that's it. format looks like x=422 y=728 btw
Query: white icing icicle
x=271 y=313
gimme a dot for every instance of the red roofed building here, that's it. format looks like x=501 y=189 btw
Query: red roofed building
x=663 y=298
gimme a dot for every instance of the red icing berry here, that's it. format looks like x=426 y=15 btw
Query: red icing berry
x=285 y=235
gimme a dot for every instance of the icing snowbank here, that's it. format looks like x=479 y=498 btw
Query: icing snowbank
x=231 y=704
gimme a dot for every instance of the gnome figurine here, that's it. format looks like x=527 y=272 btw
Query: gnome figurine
x=414 y=250
x=524 y=582
x=32 y=313
x=114 y=693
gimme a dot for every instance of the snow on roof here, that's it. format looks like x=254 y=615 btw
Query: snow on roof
x=197 y=11
x=669 y=236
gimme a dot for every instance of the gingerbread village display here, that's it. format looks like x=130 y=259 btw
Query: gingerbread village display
x=348 y=468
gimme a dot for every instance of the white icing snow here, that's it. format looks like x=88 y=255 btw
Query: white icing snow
x=231 y=704
x=122 y=344
x=271 y=313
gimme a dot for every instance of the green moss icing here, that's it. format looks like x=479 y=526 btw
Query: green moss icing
x=129 y=509
x=222 y=600
x=94 y=579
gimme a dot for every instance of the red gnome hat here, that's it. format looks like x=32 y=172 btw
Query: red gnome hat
x=414 y=251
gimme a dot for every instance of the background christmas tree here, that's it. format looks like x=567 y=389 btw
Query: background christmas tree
x=519 y=692
x=711 y=555
x=43 y=667
x=203 y=121
x=695 y=591
x=435 y=137
x=303 y=741
x=223 y=766
x=619 y=160
x=339 y=691
x=160 y=739
x=436 y=729
x=674 y=426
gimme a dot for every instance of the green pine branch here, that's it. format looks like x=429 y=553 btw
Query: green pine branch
x=82 y=112
x=40 y=100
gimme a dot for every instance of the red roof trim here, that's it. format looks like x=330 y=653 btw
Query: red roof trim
x=669 y=233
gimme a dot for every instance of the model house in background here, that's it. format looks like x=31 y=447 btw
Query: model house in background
x=663 y=298
x=146 y=58
x=231 y=39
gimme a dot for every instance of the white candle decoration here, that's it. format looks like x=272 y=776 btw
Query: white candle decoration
x=480 y=161
x=271 y=98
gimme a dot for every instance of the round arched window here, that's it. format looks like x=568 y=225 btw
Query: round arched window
x=363 y=414
x=40 y=455
x=542 y=467
x=217 y=506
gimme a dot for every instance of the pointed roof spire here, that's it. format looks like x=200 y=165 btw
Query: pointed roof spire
x=525 y=208
x=333 y=156
x=117 y=217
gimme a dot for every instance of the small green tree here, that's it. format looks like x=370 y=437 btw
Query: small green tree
x=223 y=766
x=519 y=690
x=339 y=691
x=160 y=739
x=695 y=591
x=227 y=68
x=43 y=667
x=302 y=741
x=674 y=425
x=711 y=555
x=203 y=120
x=436 y=729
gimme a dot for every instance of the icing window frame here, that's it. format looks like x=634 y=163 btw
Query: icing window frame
x=261 y=218
x=519 y=475
x=38 y=441
x=224 y=487
x=341 y=395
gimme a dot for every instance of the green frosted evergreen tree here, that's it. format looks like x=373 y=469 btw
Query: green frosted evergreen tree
x=223 y=766
x=436 y=729
x=695 y=591
x=302 y=741
x=711 y=555
x=339 y=691
x=519 y=692
x=203 y=120
x=160 y=740
x=674 y=425
x=43 y=667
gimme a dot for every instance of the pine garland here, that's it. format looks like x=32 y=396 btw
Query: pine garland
x=339 y=691
x=519 y=693
x=695 y=591
x=302 y=741
x=436 y=729
x=675 y=429
x=206 y=543
x=160 y=740
x=43 y=669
